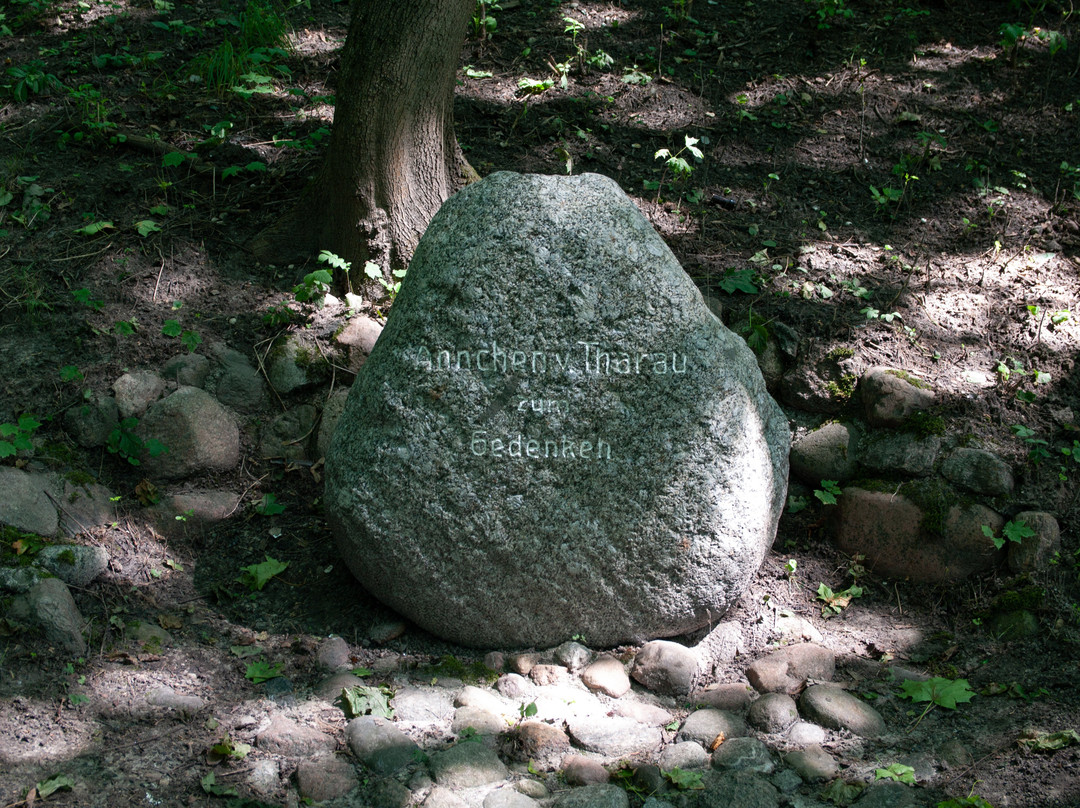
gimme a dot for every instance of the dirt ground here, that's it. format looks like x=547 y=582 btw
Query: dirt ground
x=903 y=183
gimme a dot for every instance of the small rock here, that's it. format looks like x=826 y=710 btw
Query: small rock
x=294 y=363
x=773 y=712
x=479 y=720
x=813 y=764
x=333 y=654
x=706 y=726
x=548 y=674
x=84 y=507
x=900 y=453
x=1035 y=552
x=979 y=471
x=325 y=777
x=744 y=755
x=19 y=579
x=235 y=382
x=74 y=564
x=388 y=631
x=582 y=771
x=890 y=396
x=423 y=704
x=608 y=676
x=49 y=605
x=728 y=696
x=198 y=508
x=512 y=685
x=792 y=627
x=643 y=712
x=787 y=781
x=471 y=696
x=25 y=505
x=803 y=733
x=613 y=737
x=953 y=755
x=837 y=709
x=467 y=765
x=523 y=663
x=385 y=792
x=573 y=655
x=737 y=790
x=265 y=776
x=888 y=795
x=508 y=797
x=494 y=661
x=828 y=453
x=600 y=795
x=380 y=745
x=541 y=743
x=650 y=780
x=684 y=755
x=151 y=636
x=440 y=797
x=531 y=788
x=285 y=737
x=168 y=698
x=91 y=422
x=666 y=667
x=1014 y=625
x=329 y=689
x=786 y=669
x=719 y=646
x=288 y=436
x=199 y=434
x=136 y=391
x=189 y=370
x=359 y=336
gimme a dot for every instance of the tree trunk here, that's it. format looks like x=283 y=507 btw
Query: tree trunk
x=393 y=157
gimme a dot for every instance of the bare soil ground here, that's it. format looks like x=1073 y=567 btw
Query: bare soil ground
x=901 y=183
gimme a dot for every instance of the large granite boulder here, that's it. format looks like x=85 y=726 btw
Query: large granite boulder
x=553 y=435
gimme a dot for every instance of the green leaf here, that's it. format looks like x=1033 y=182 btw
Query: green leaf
x=171 y=328
x=60 y=782
x=256 y=576
x=840 y=793
x=269 y=506
x=231 y=171
x=372 y=270
x=256 y=166
x=93 y=228
x=190 y=340
x=898 y=772
x=1045 y=741
x=1017 y=531
x=146 y=227
x=685 y=781
x=363 y=700
x=125 y=328
x=262 y=671
x=70 y=373
x=738 y=280
x=172 y=159
x=210 y=786
x=945 y=693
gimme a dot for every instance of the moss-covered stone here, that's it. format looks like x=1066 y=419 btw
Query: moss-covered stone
x=844 y=389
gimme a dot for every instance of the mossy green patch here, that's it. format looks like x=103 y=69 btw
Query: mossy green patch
x=924 y=424
x=840 y=352
x=450 y=667
x=843 y=389
x=907 y=377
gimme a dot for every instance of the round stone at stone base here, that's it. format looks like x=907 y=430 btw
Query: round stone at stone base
x=553 y=435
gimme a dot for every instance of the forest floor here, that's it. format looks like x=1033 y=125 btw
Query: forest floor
x=903 y=183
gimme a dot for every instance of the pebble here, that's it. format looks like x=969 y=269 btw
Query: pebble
x=705 y=726
x=835 y=708
x=744 y=754
x=582 y=771
x=608 y=676
x=813 y=764
x=785 y=670
x=773 y=712
x=684 y=755
x=325 y=777
x=666 y=667
x=333 y=654
x=287 y=738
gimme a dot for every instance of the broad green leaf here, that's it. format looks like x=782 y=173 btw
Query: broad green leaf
x=945 y=693
x=171 y=328
x=256 y=576
x=172 y=159
x=1052 y=740
x=93 y=228
x=54 y=784
x=363 y=700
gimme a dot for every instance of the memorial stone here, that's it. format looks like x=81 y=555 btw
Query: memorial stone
x=554 y=436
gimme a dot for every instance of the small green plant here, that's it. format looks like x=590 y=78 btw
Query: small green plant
x=31 y=79
x=124 y=442
x=684 y=781
x=1013 y=531
x=83 y=296
x=316 y=284
x=261 y=671
x=790 y=566
x=870 y=313
x=364 y=700
x=829 y=491
x=227 y=749
x=676 y=163
x=189 y=339
x=269 y=506
x=936 y=692
x=1037 y=448
x=896 y=772
x=374 y=271
x=527 y=711
x=256 y=576
x=738 y=280
x=484 y=22
x=828 y=11
x=836 y=602
x=15 y=438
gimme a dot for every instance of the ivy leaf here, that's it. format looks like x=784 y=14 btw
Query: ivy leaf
x=362 y=700
x=93 y=228
x=262 y=671
x=256 y=576
x=172 y=159
x=171 y=328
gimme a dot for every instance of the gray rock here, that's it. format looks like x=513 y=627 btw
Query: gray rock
x=512 y=685
x=479 y=720
x=787 y=669
x=380 y=745
x=837 y=709
x=325 y=777
x=613 y=737
x=288 y=436
x=90 y=422
x=899 y=453
x=573 y=655
x=888 y=795
x=803 y=734
x=792 y=627
x=74 y=564
x=549 y=674
x=384 y=792
x=731 y=696
x=786 y=780
x=198 y=509
x=151 y=636
x=820 y=382
x=84 y=507
x=979 y=471
x=19 y=579
x=295 y=362
x=578 y=770
x=235 y=382
x=683 y=755
x=1014 y=625
x=49 y=605
x=737 y=790
x=705 y=726
x=813 y=763
x=425 y=704
x=285 y=737
x=165 y=696
x=467 y=765
x=828 y=453
x=1035 y=552
x=198 y=432
x=265 y=776
x=600 y=795
x=329 y=689
x=137 y=390
x=479 y=698
x=359 y=337
x=608 y=676
x=495 y=661
x=666 y=667
x=773 y=712
x=440 y=797
x=481 y=503
x=743 y=754
x=643 y=712
x=331 y=413
x=891 y=396
x=25 y=504
x=719 y=646
x=936 y=543
x=541 y=743
x=508 y=798
x=650 y=780
x=333 y=654
x=187 y=370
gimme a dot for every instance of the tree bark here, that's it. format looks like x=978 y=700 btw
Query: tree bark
x=393 y=157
